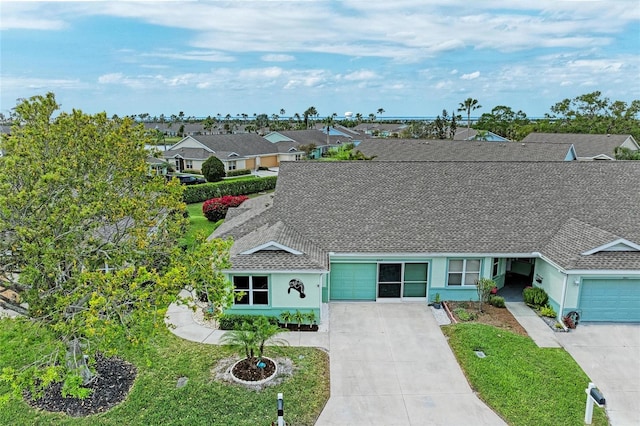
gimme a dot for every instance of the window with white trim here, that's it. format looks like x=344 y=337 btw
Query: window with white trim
x=496 y=267
x=463 y=272
x=254 y=287
x=231 y=165
x=188 y=164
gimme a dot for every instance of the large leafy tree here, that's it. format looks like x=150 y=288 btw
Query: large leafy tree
x=503 y=121
x=88 y=238
x=592 y=113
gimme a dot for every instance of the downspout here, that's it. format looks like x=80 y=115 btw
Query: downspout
x=562 y=300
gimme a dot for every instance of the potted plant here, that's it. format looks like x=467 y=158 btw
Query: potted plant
x=299 y=318
x=437 y=303
x=286 y=317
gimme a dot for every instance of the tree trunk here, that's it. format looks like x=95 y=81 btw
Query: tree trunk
x=77 y=361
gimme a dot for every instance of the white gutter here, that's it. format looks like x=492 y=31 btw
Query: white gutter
x=562 y=300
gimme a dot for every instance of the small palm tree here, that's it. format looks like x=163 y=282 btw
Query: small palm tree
x=467 y=106
x=252 y=337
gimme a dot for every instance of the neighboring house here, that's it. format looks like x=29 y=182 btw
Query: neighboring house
x=477 y=135
x=310 y=137
x=380 y=231
x=380 y=130
x=448 y=150
x=157 y=166
x=588 y=147
x=236 y=151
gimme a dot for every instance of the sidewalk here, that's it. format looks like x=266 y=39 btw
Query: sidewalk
x=180 y=321
x=537 y=329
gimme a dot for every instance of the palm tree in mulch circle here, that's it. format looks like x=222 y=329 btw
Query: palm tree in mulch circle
x=251 y=338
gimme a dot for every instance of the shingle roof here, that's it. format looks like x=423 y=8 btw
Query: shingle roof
x=188 y=153
x=313 y=136
x=242 y=143
x=458 y=207
x=448 y=150
x=586 y=145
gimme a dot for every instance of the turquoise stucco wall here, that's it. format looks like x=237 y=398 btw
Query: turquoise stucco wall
x=280 y=299
x=552 y=281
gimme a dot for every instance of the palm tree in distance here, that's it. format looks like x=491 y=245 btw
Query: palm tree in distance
x=467 y=106
x=380 y=111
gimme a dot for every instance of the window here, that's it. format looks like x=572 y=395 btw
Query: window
x=463 y=272
x=231 y=165
x=256 y=289
x=188 y=164
x=496 y=266
x=298 y=157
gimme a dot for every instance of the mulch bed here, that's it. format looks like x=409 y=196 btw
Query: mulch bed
x=110 y=387
x=301 y=327
x=497 y=317
x=248 y=371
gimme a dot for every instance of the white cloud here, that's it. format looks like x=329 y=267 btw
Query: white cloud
x=471 y=76
x=361 y=75
x=277 y=58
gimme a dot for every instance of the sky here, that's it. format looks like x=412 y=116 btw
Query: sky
x=410 y=58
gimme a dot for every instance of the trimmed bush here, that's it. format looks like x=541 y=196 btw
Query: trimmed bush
x=535 y=296
x=216 y=208
x=234 y=321
x=205 y=191
x=213 y=169
x=240 y=172
x=192 y=171
x=497 y=301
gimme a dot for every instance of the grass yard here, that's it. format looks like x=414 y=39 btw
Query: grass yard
x=154 y=398
x=198 y=223
x=523 y=383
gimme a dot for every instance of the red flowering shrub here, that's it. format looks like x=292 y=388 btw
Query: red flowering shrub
x=216 y=208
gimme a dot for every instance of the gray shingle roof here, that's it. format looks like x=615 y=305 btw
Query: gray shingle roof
x=457 y=207
x=313 y=136
x=448 y=150
x=241 y=143
x=586 y=145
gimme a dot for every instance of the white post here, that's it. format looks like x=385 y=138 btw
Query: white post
x=588 y=412
x=280 y=410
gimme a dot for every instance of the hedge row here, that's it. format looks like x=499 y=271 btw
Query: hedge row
x=234 y=321
x=239 y=172
x=206 y=191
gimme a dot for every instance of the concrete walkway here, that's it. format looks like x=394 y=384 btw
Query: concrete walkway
x=390 y=365
x=535 y=326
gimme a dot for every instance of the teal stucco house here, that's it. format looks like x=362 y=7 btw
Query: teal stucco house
x=403 y=231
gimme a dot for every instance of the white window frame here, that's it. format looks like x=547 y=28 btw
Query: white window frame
x=188 y=164
x=251 y=291
x=464 y=272
x=232 y=165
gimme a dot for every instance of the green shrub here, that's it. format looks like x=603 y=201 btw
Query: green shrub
x=535 y=296
x=240 y=172
x=547 y=311
x=263 y=168
x=206 y=191
x=497 y=301
x=234 y=321
x=464 y=315
x=213 y=169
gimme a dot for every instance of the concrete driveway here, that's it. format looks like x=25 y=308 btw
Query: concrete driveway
x=610 y=355
x=391 y=365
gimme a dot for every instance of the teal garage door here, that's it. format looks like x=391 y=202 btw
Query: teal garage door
x=353 y=281
x=615 y=300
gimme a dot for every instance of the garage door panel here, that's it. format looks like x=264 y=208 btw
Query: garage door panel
x=353 y=281
x=610 y=300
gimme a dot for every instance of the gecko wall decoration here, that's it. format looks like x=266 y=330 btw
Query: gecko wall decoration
x=298 y=286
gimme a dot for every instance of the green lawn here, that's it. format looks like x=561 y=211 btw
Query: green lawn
x=198 y=223
x=525 y=384
x=154 y=398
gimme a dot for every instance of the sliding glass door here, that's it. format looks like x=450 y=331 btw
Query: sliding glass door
x=402 y=280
